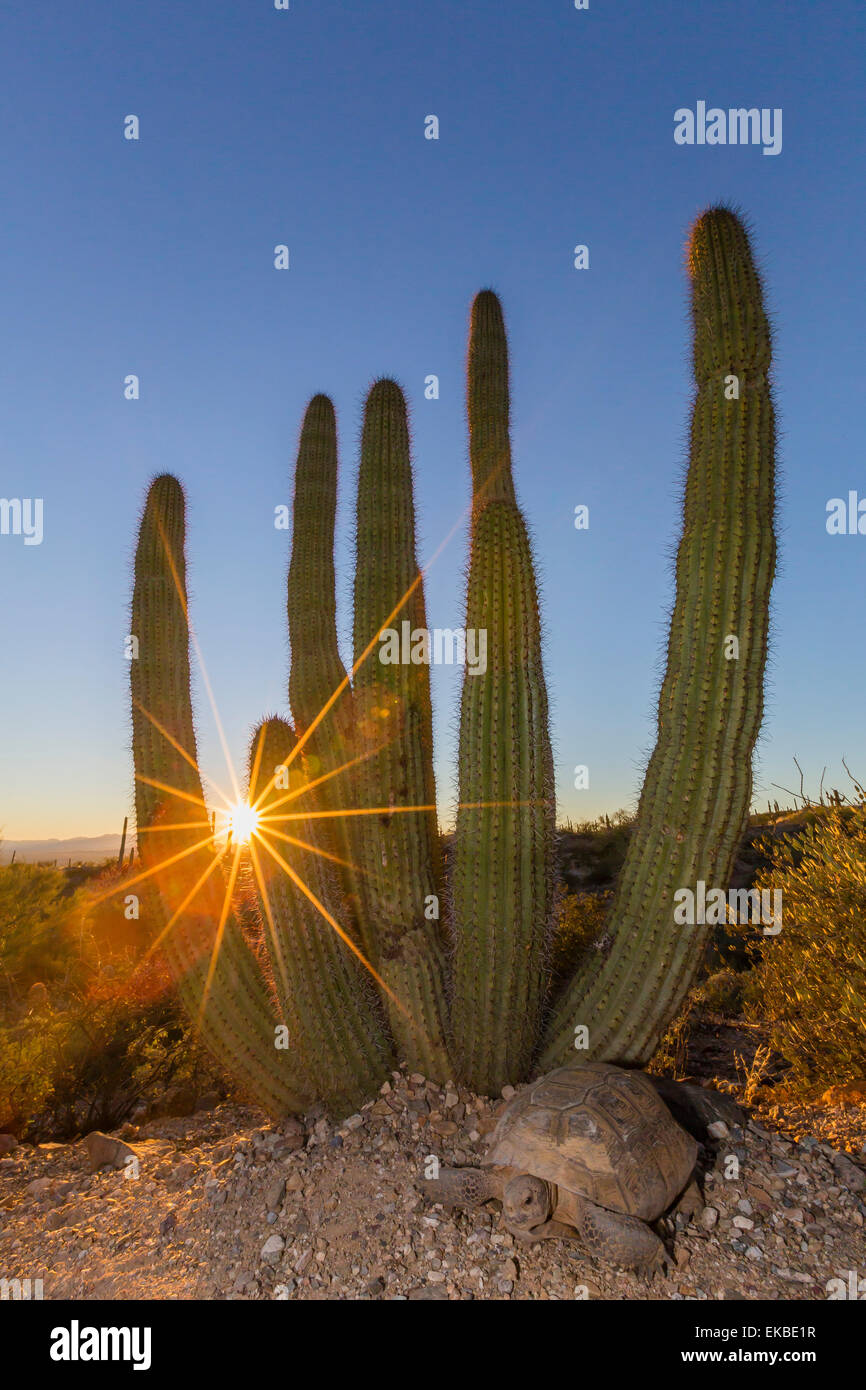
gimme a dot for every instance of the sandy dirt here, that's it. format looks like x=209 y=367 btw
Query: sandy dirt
x=223 y=1205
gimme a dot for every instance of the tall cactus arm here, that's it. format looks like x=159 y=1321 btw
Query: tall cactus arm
x=504 y=846
x=394 y=737
x=326 y=991
x=217 y=973
x=488 y=403
x=319 y=690
x=502 y=885
x=317 y=670
x=695 y=800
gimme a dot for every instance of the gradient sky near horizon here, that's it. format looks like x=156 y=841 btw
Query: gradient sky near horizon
x=306 y=127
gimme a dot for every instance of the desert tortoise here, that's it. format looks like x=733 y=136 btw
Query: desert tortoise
x=588 y=1151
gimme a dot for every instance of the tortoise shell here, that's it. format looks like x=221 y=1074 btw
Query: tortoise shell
x=601 y=1132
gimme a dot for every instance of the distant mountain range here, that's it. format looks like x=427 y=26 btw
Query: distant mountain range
x=87 y=849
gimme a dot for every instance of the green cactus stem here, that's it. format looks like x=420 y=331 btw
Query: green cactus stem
x=503 y=881
x=319 y=690
x=399 y=852
x=217 y=974
x=326 y=992
x=695 y=800
x=488 y=403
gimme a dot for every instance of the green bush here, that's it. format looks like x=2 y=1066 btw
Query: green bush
x=809 y=983
x=89 y=1027
x=36 y=942
x=580 y=924
x=723 y=992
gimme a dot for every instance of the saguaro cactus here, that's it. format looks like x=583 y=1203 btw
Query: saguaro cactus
x=365 y=816
x=695 y=800
x=504 y=844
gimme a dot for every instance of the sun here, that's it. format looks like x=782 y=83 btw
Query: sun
x=243 y=820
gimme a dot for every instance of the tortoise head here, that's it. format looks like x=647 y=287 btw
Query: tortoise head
x=527 y=1202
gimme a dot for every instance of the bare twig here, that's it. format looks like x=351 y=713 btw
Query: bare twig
x=803 y=797
x=858 y=786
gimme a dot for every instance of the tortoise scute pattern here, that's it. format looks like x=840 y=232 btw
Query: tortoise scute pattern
x=475 y=1188
x=599 y=1131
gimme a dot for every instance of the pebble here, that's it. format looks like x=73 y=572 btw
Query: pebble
x=274 y=1194
x=39 y=1187
x=105 y=1152
x=273 y=1246
x=785 y=1170
x=849 y=1174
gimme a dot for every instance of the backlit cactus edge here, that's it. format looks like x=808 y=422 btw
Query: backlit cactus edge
x=366 y=954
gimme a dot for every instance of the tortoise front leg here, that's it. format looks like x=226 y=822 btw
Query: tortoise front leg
x=613 y=1238
x=548 y=1230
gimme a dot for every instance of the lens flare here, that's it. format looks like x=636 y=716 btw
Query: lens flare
x=243 y=820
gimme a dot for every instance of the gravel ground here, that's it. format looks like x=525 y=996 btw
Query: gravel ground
x=222 y=1205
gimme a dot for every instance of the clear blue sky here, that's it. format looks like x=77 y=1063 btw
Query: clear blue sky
x=307 y=127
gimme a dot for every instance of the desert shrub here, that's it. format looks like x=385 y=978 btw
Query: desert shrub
x=601 y=824
x=91 y=1063
x=723 y=992
x=36 y=944
x=89 y=1026
x=580 y=923
x=592 y=852
x=671 y=1056
x=809 y=983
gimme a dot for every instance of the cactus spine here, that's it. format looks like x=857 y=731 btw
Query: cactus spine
x=695 y=800
x=504 y=845
x=216 y=971
x=400 y=854
x=317 y=672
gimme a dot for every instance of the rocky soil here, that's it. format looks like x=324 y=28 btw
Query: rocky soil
x=221 y=1205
